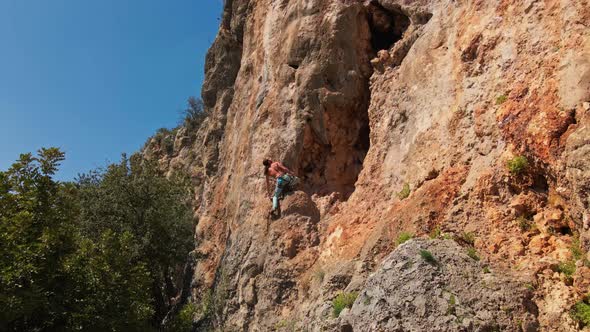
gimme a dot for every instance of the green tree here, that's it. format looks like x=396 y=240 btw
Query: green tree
x=108 y=290
x=194 y=114
x=98 y=255
x=133 y=197
x=36 y=235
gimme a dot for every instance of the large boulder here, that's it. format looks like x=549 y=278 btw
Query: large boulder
x=299 y=204
x=455 y=292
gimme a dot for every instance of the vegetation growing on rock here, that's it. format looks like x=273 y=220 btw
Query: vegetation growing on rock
x=428 y=256
x=183 y=322
x=501 y=99
x=468 y=238
x=524 y=223
x=581 y=312
x=568 y=268
x=471 y=252
x=194 y=114
x=517 y=165
x=447 y=289
x=405 y=192
x=319 y=274
x=403 y=237
x=435 y=233
x=343 y=300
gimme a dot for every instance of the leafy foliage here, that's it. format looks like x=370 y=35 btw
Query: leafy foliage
x=403 y=237
x=405 y=192
x=468 y=238
x=452 y=309
x=164 y=138
x=435 y=233
x=568 y=268
x=581 y=312
x=517 y=165
x=110 y=289
x=471 y=252
x=428 y=257
x=184 y=321
x=343 y=300
x=91 y=256
x=576 y=249
x=194 y=114
x=192 y=117
x=219 y=296
x=36 y=236
x=131 y=197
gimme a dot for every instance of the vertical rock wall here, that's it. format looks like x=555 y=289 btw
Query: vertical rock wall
x=363 y=97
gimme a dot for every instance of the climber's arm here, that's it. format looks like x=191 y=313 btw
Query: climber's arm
x=284 y=169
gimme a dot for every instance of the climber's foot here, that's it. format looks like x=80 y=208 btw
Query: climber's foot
x=275 y=214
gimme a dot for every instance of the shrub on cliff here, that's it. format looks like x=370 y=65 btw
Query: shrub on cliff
x=517 y=165
x=184 y=320
x=524 y=223
x=403 y=237
x=581 y=312
x=405 y=192
x=341 y=301
x=471 y=252
x=428 y=257
x=576 y=249
x=191 y=118
x=164 y=137
x=194 y=114
x=435 y=233
x=468 y=238
x=568 y=268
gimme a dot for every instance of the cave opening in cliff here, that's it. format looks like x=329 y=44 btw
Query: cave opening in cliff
x=565 y=230
x=387 y=26
x=336 y=142
x=334 y=149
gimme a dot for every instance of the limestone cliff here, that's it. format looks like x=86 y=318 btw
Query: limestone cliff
x=362 y=99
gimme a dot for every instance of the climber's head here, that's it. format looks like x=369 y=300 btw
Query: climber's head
x=266 y=162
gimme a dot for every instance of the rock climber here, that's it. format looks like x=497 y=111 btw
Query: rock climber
x=285 y=180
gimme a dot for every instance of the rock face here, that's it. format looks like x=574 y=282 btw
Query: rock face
x=452 y=293
x=363 y=99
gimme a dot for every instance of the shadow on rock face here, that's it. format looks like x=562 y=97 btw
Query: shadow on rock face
x=299 y=203
x=387 y=26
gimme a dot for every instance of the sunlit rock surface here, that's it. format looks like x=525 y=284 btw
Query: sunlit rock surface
x=361 y=98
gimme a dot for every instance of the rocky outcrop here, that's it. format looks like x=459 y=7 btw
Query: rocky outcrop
x=364 y=99
x=454 y=292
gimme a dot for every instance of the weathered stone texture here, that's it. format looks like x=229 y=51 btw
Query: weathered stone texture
x=362 y=97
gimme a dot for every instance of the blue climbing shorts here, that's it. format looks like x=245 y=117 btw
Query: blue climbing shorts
x=282 y=183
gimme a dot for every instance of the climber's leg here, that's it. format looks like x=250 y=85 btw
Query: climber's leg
x=277 y=194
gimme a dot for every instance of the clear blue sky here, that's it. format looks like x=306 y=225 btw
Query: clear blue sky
x=97 y=77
